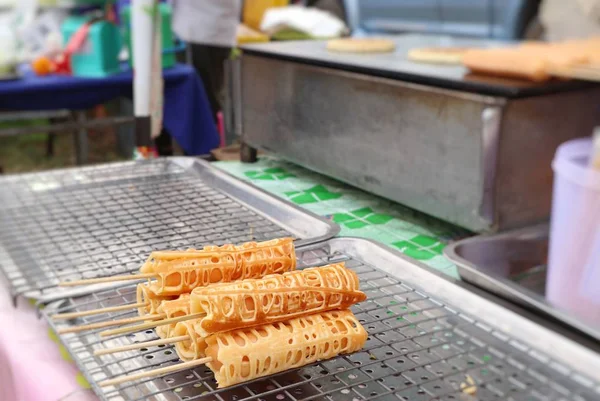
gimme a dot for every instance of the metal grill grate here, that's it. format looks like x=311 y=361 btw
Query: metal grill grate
x=91 y=222
x=418 y=348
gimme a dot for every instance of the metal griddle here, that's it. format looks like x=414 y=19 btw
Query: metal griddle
x=395 y=65
x=105 y=220
x=426 y=335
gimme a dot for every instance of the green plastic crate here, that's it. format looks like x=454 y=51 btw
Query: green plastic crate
x=99 y=56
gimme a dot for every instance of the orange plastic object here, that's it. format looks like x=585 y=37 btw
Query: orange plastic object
x=42 y=66
x=254 y=10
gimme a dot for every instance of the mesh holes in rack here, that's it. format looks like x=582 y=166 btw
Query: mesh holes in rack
x=82 y=231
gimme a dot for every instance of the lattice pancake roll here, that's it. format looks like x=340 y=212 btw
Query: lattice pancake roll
x=158 y=258
x=146 y=296
x=219 y=264
x=247 y=354
x=175 y=308
x=183 y=275
x=274 y=298
x=257 y=259
x=193 y=348
x=280 y=248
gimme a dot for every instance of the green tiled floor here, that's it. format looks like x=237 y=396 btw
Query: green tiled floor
x=359 y=213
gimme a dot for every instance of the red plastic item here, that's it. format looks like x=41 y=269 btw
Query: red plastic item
x=221 y=128
x=62 y=64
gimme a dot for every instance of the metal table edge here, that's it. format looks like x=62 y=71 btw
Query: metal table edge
x=472 y=87
x=7 y=177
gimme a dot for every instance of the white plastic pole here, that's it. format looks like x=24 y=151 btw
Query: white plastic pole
x=157 y=89
x=142 y=21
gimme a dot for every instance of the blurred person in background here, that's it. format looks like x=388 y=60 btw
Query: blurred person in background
x=209 y=28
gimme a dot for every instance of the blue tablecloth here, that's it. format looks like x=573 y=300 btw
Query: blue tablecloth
x=187 y=113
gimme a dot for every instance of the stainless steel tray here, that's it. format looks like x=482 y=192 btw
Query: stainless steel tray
x=513 y=265
x=426 y=335
x=105 y=220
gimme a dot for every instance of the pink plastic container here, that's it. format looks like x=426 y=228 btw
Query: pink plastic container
x=573 y=282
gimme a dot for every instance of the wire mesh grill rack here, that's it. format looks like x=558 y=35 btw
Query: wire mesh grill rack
x=420 y=347
x=105 y=220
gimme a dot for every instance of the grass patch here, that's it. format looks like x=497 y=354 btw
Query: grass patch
x=26 y=153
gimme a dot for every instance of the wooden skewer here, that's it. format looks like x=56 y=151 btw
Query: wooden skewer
x=588 y=67
x=151 y=325
x=577 y=72
x=101 y=325
x=109 y=279
x=156 y=372
x=595 y=158
x=73 y=315
x=147 y=344
x=585 y=74
x=171 y=255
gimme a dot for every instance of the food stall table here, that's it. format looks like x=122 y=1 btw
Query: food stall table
x=187 y=113
x=415 y=234
x=443 y=344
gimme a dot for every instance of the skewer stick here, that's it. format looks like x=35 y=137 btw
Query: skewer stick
x=101 y=325
x=151 y=325
x=73 y=315
x=147 y=344
x=172 y=255
x=155 y=372
x=587 y=67
x=595 y=158
x=108 y=279
x=575 y=72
